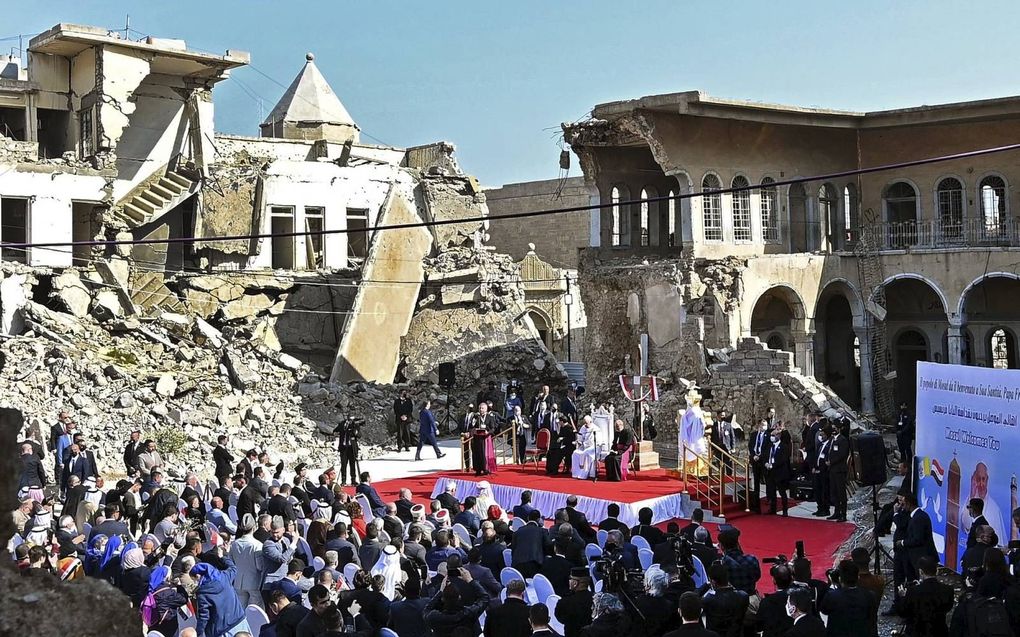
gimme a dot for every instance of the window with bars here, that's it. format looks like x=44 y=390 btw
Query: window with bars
x=644 y=219
x=950 y=202
x=1003 y=349
x=741 y=210
x=769 y=212
x=993 y=204
x=711 y=208
x=314 y=247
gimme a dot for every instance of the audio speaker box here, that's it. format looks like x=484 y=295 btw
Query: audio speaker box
x=869 y=459
x=447 y=374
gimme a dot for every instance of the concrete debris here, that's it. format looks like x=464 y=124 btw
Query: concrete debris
x=72 y=293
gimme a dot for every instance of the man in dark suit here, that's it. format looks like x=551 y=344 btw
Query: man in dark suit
x=820 y=471
x=703 y=548
x=976 y=507
x=578 y=520
x=530 y=546
x=468 y=518
x=224 y=461
x=509 y=619
x=404 y=505
x=481 y=574
x=491 y=549
x=918 y=541
x=280 y=505
x=849 y=607
x=839 y=454
x=574 y=610
x=366 y=489
x=112 y=525
x=925 y=604
x=131 y=451
x=557 y=568
x=406 y=614
x=249 y=500
x=393 y=525
x=723 y=605
x=777 y=470
x=448 y=498
x=538 y=615
x=616 y=542
x=247 y=465
x=370 y=547
x=612 y=522
x=697 y=518
x=905 y=434
x=757 y=450
x=772 y=616
x=76 y=464
x=805 y=623
x=524 y=509
x=644 y=528
x=403 y=407
x=345 y=550
x=690 y=613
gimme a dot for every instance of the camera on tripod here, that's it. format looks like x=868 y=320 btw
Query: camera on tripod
x=798 y=554
x=352 y=424
x=615 y=576
x=684 y=552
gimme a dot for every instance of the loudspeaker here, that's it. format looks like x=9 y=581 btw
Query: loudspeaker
x=869 y=459
x=447 y=374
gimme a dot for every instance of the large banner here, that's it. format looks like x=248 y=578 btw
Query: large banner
x=968 y=446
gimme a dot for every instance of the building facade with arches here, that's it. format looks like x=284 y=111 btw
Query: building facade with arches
x=755 y=215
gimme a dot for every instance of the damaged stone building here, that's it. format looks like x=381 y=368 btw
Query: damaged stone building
x=256 y=256
x=815 y=292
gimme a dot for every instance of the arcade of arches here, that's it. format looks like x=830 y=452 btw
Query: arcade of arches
x=832 y=344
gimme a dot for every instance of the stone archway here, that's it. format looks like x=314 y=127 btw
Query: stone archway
x=779 y=316
x=989 y=311
x=916 y=317
x=838 y=316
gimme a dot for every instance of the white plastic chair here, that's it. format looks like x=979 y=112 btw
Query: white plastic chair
x=640 y=542
x=153 y=633
x=542 y=588
x=387 y=632
x=232 y=513
x=516 y=523
x=17 y=541
x=509 y=574
x=502 y=595
x=700 y=576
x=349 y=572
x=318 y=564
x=592 y=552
x=366 y=508
x=256 y=617
x=182 y=506
x=304 y=548
x=554 y=623
x=86 y=530
x=601 y=536
x=462 y=533
x=598 y=586
x=645 y=557
x=508 y=557
x=384 y=537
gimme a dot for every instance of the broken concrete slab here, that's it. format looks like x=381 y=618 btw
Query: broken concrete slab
x=246 y=306
x=242 y=376
x=166 y=385
x=207 y=333
x=72 y=293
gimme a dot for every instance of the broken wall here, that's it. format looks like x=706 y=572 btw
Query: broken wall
x=449 y=198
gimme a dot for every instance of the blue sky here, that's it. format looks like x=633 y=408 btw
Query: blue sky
x=497 y=78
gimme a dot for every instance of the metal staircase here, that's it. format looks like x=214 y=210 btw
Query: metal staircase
x=722 y=481
x=504 y=445
x=869 y=270
x=155 y=197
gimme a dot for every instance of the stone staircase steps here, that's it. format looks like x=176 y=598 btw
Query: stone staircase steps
x=155 y=198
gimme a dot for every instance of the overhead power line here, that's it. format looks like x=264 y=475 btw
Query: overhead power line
x=526 y=214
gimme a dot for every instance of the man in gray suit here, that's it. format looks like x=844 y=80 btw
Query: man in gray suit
x=277 y=552
x=246 y=553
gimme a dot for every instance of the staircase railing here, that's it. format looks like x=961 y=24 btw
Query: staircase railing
x=504 y=445
x=724 y=470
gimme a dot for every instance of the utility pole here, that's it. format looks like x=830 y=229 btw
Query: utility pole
x=127 y=26
x=568 y=300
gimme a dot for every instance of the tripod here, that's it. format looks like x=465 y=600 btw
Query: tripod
x=878 y=549
x=595 y=460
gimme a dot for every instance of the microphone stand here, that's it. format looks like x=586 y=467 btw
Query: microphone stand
x=595 y=464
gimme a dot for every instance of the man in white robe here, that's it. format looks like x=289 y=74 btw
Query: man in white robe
x=691 y=433
x=582 y=461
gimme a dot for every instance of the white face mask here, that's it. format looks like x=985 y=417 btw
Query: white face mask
x=790 y=610
x=775 y=438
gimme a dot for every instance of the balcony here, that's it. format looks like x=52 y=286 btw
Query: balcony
x=931 y=234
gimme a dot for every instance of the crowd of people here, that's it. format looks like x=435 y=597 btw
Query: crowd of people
x=316 y=560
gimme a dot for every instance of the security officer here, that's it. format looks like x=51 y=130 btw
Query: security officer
x=820 y=472
x=839 y=454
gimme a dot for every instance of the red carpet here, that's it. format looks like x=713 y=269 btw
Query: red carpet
x=760 y=535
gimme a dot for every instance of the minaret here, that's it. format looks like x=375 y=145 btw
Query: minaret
x=309 y=109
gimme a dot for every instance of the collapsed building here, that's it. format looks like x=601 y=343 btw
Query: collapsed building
x=247 y=288
x=812 y=294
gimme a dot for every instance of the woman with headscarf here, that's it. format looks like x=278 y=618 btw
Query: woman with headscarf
x=318 y=530
x=388 y=566
x=134 y=581
x=150 y=549
x=94 y=555
x=169 y=597
x=484 y=500
x=109 y=567
x=218 y=612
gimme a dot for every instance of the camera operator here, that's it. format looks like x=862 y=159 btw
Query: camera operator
x=347 y=433
x=617 y=547
x=724 y=606
x=926 y=602
x=849 y=607
x=802 y=577
x=772 y=617
x=654 y=614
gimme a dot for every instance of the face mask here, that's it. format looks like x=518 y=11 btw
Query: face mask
x=775 y=438
x=790 y=610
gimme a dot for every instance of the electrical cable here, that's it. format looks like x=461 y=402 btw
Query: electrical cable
x=526 y=214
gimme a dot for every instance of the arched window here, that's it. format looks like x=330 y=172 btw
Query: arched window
x=775 y=342
x=671 y=206
x=993 y=205
x=950 y=202
x=1002 y=347
x=850 y=222
x=901 y=214
x=644 y=219
x=827 y=213
x=741 y=210
x=621 y=229
x=711 y=205
x=769 y=212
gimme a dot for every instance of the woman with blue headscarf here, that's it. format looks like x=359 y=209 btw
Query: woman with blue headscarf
x=109 y=567
x=169 y=598
x=94 y=555
x=218 y=611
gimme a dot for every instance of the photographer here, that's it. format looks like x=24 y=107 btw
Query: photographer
x=347 y=434
x=926 y=602
x=802 y=577
x=744 y=569
x=772 y=617
x=724 y=606
x=849 y=607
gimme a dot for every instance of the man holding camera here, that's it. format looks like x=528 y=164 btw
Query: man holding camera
x=347 y=434
x=772 y=616
x=402 y=408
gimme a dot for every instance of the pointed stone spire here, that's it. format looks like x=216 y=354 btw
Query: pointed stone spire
x=309 y=109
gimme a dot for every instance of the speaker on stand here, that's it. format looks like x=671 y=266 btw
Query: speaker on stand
x=869 y=470
x=447 y=380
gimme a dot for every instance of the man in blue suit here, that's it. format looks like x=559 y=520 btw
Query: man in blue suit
x=374 y=501
x=427 y=430
x=524 y=509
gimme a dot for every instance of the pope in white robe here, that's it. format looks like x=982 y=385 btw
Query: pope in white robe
x=691 y=433
x=582 y=461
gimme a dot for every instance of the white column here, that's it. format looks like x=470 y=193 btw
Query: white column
x=955 y=338
x=594 y=218
x=804 y=352
x=867 y=386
